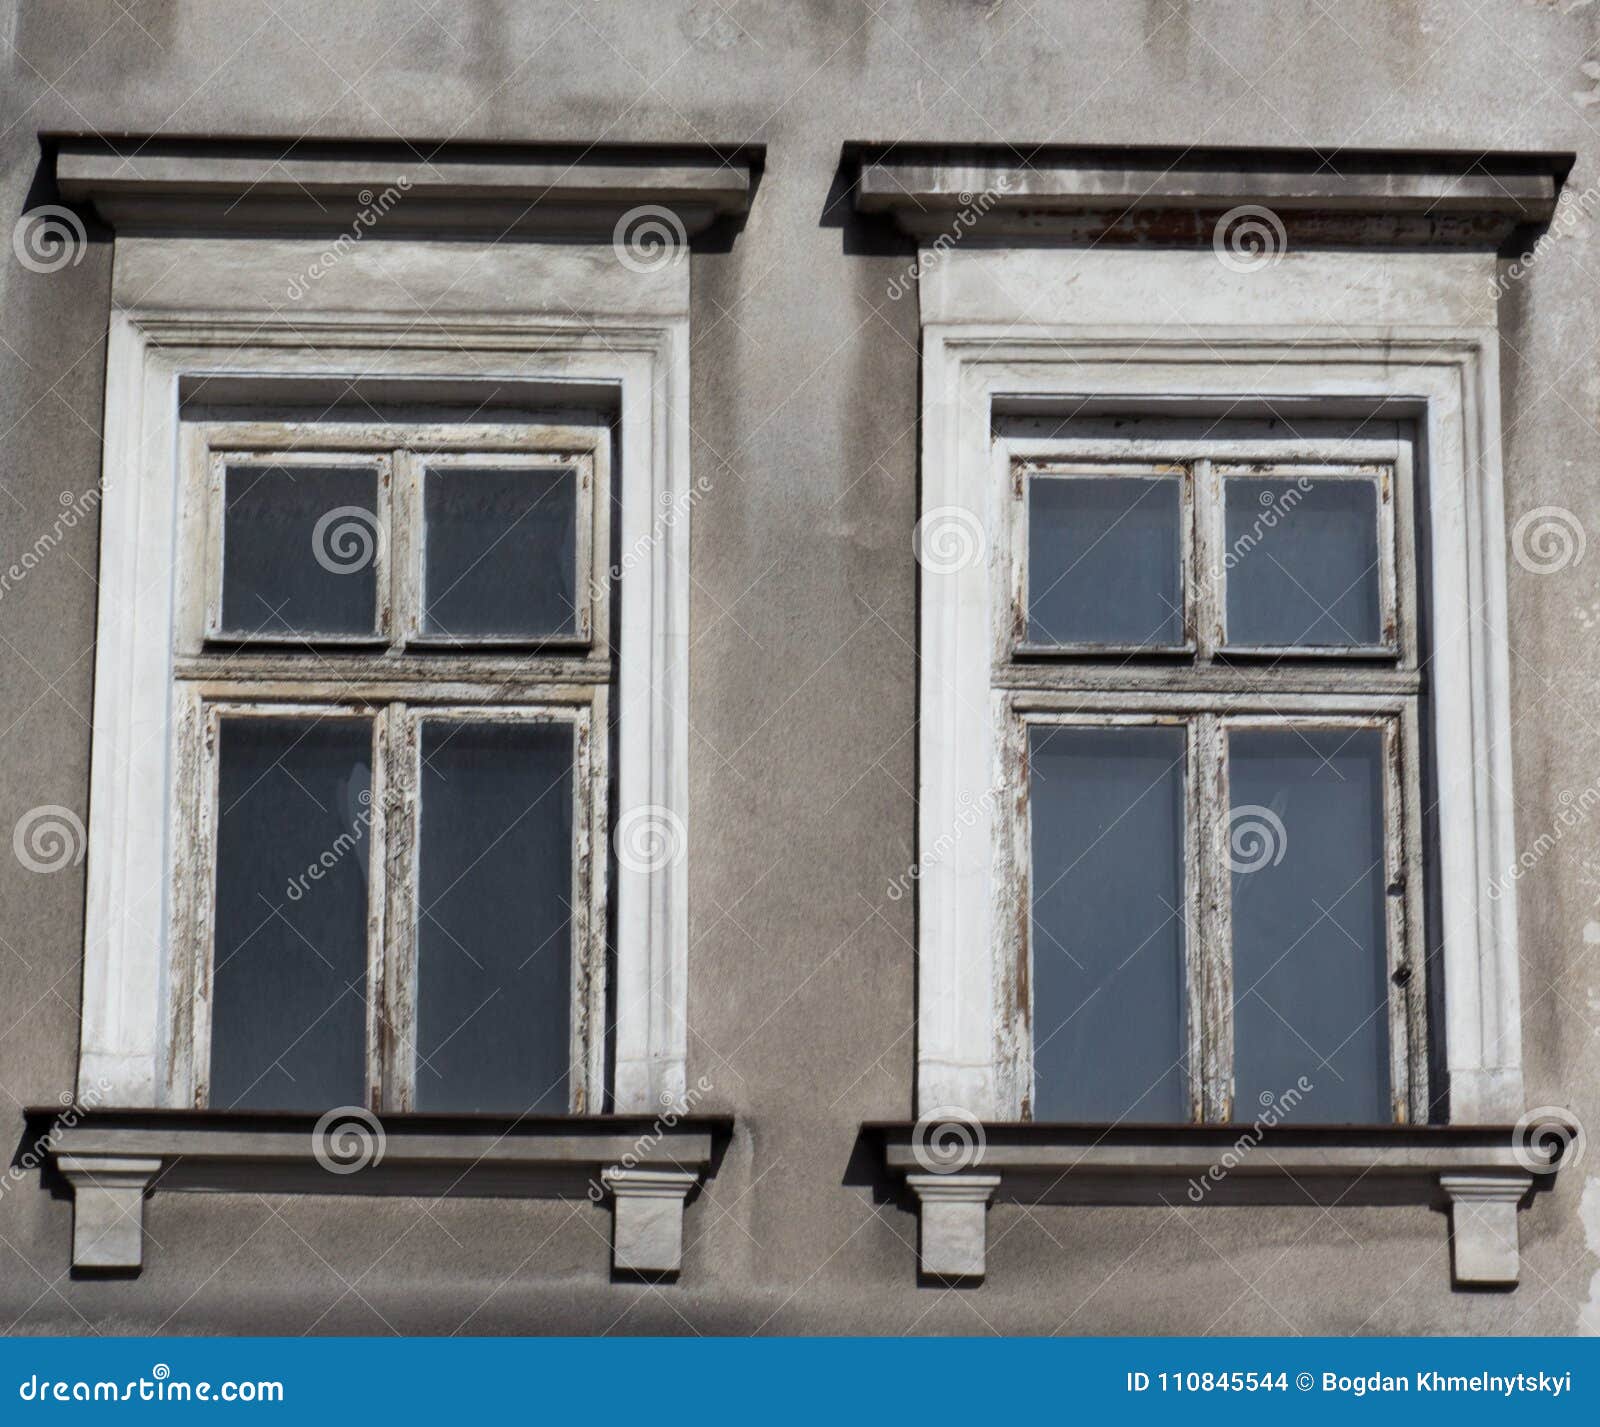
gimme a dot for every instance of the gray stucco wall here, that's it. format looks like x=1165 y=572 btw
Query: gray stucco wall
x=805 y=390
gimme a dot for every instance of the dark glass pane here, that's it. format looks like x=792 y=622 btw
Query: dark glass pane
x=1302 y=562
x=1104 y=560
x=288 y=1005
x=501 y=552
x=1310 y=978
x=494 y=938
x=1108 y=942
x=298 y=550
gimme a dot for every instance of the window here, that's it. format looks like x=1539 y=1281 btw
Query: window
x=392 y=680
x=1210 y=685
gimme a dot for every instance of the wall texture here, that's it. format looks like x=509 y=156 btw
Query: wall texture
x=805 y=392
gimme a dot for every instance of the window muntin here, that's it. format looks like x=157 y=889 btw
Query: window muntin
x=464 y=965
x=1222 y=696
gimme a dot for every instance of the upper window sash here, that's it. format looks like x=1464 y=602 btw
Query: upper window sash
x=384 y=542
x=1202 y=470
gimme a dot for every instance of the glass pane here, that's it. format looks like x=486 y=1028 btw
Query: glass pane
x=1302 y=562
x=1104 y=561
x=1108 y=941
x=501 y=552
x=299 y=548
x=288 y=1000
x=494 y=935
x=1310 y=976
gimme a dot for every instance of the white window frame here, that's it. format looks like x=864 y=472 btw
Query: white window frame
x=1391 y=336
x=580 y=324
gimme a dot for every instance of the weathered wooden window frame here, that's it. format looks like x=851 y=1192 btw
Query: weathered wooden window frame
x=393 y=680
x=1197 y=686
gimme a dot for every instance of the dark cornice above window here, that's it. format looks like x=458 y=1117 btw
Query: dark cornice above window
x=576 y=192
x=1174 y=197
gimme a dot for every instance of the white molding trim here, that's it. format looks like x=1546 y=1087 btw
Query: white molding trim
x=1174 y=354
x=185 y=309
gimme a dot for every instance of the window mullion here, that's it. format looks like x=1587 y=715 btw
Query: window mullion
x=1213 y=1004
x=1208 y=542
x=377 y=799
x=405 y=553
x=395 y=987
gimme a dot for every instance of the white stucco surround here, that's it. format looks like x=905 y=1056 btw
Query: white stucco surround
x=567 y=317
x=1403 y=333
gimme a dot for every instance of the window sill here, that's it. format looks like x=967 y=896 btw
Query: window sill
x=647 y=1165
x=1480 y=1174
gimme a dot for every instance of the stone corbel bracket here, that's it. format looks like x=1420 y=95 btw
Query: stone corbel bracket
x=647 y=1167
x=649 y=197
x=1175 y=197
x=1481 y=1175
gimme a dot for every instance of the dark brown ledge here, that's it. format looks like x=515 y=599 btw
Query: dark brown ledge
x=646 y=1166
x=488 y=1155
x=1481 y=1175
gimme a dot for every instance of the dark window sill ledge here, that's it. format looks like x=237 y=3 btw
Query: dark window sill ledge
x=1480 y=1174
x=647 y=1166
